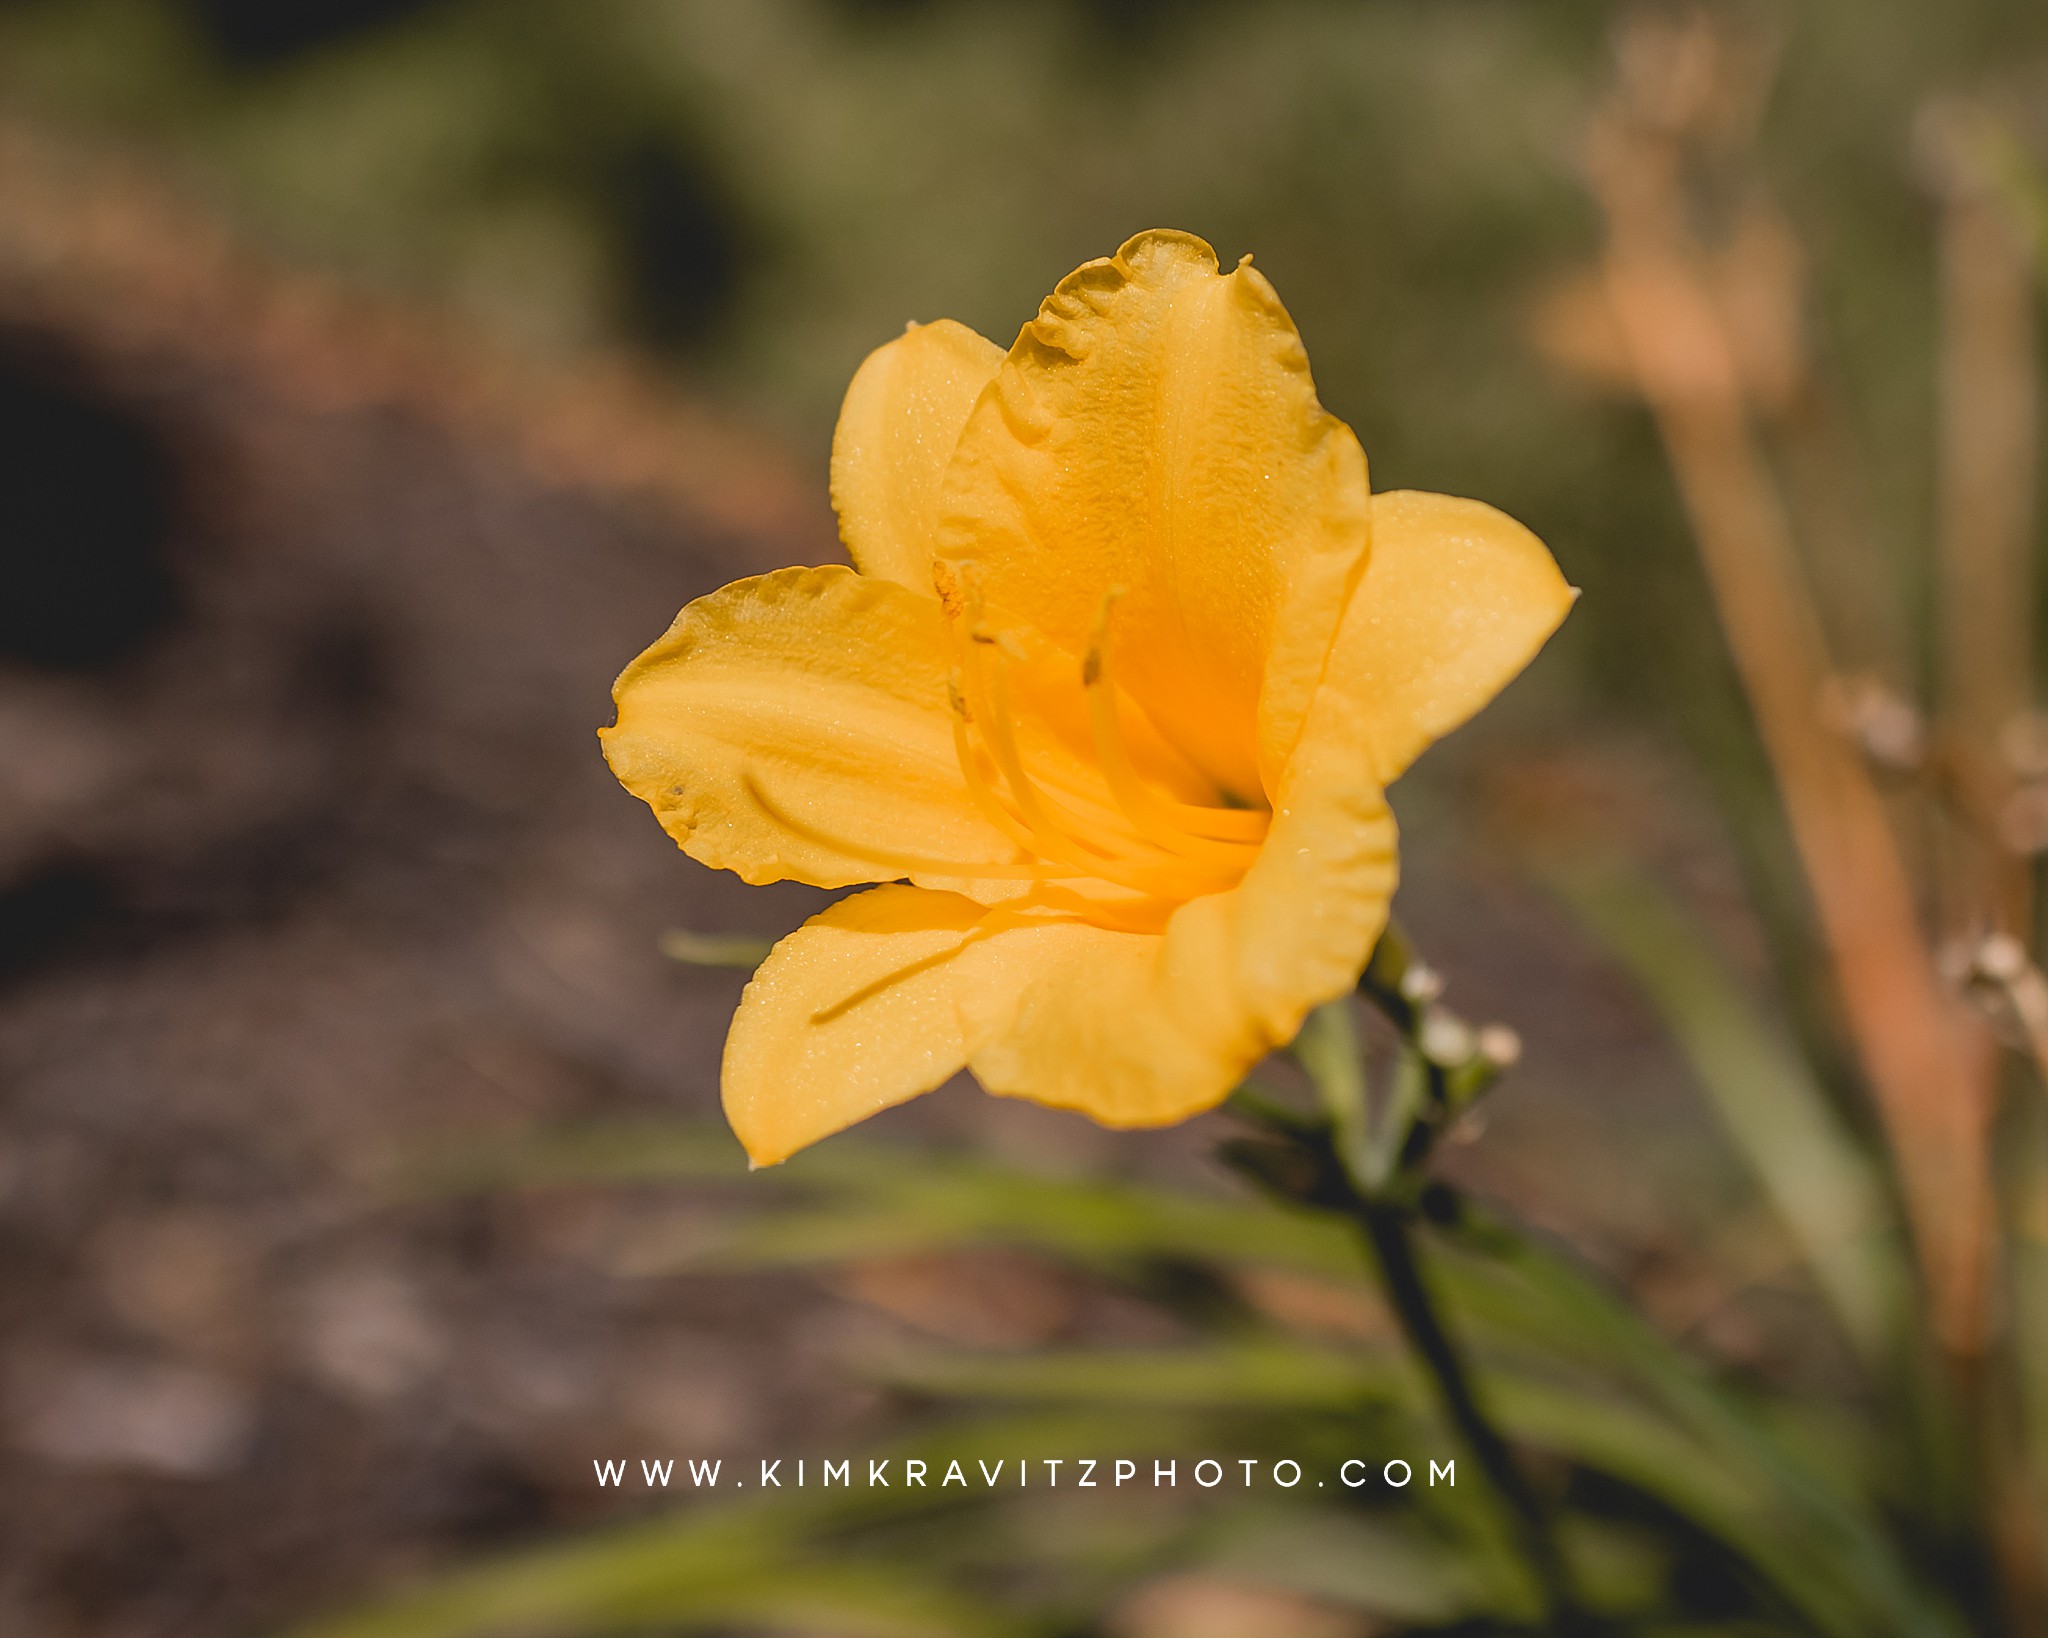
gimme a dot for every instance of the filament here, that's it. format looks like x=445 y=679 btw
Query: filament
x=982 y=789
x=1218 y=835
x=1156 y=818
x=1047 y=828
x=1064 y=836
x=1124 y=833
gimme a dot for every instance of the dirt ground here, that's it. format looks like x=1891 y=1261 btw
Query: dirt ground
x=316 y=863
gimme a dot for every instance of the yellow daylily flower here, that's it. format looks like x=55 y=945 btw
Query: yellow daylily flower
x=1111 y=696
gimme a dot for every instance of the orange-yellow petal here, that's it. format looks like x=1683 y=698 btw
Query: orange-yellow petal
x=850 y=1014
x=796 y=726
x=1136 y=1031
x=897 y=430
x=1155 y=430
x=1140 y=1029
x=1132 y=1028
x=1457 y=599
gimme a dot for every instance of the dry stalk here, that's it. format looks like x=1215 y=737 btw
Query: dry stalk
x=1988 y=417
x=1928 y=1059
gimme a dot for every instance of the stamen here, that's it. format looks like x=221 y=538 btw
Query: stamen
x=1132 y=842
x=982 y=789
x=976 y=768
x=1026 y=818
x=1002 y=743
x=1050 y=837
x=1223 y=836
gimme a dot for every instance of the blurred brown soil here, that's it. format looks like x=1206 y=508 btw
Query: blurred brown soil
x=308 y=860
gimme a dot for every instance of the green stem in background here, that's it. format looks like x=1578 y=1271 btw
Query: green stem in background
x=738 y=950
x=1817 y=1179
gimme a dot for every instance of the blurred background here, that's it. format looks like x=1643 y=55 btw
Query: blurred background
x=378 y=376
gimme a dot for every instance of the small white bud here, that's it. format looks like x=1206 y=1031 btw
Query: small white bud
x=1421 y=984
x=1446 y=1039
x=1500 y=1046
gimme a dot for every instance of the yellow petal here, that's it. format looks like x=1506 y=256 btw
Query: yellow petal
x=897 y=429
x=850 y=1014
x=887 y=993
x=1456 y=600
x=1314 y=902
x=796 y=726
x=1134 y=1029
x=1155 y=429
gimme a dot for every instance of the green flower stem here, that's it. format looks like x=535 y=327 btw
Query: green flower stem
x=1328 y=1047
x=1376 y=1174
x=1387 y=1230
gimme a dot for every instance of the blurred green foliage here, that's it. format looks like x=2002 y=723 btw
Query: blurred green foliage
x=1680 y=1498
x=1676 y=1498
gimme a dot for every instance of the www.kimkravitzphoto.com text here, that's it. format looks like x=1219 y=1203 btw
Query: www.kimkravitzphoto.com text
x=1045 y=1472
